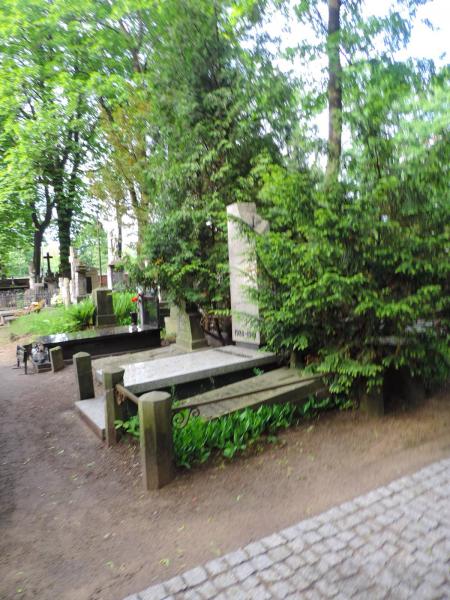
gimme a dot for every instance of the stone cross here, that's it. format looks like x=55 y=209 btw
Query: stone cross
x=47 y=258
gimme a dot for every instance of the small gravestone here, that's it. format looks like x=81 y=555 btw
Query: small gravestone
x=243 y=271
x=80 y=283
x=56 y=359
x=148 y=310
x=84 y=377
x=103 y=302
x=190 y=334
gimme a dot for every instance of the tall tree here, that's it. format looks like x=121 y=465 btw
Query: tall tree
x=47 y=112
x=334 y=89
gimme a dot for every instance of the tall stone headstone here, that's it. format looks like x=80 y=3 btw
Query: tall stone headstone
x=104 y=307
x=114 y=274
x=80 y=283
x=243 y=271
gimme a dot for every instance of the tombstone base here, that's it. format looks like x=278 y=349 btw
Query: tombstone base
x=190 y=335
x=105 y=320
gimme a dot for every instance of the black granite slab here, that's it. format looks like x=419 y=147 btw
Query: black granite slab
x=104 y=340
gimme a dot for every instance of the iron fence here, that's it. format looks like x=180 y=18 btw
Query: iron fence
x=22 y=298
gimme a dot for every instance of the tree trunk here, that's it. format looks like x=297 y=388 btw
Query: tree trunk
x=119 y=229
x=334 y=90
x=64 y=225
x=37 y=251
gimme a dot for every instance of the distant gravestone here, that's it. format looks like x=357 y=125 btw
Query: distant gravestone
x=148 y=310
x=56 y=358
x=171 y=322
x=80 y=283
x=103 y=302
x=190 y=334
x=243 y=271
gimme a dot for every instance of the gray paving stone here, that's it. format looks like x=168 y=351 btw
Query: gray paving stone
x=157 y=592
x=393 y=542
x=243 y=571
x=279 y=553
x=216 y=566
x=225 y=580
x=261 y=562
x=236 y=558
x=280 y=589
x=175 y=585
x=273 y=541
x=195 y=576
x=207 y=590
x=254 y=549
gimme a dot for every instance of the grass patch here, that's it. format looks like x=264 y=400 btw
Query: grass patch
x=45 y=322
x=76 y=317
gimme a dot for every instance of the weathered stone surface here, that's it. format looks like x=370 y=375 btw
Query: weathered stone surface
x=353 y=562
x=174 y=370
x=190 y=335
x=243 y=271
x=103 y=301
x=113 y=411
x=155 y=418
x=84 y=377
x=171 y=322
x=56 y=359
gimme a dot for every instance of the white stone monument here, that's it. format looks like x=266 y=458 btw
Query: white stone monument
x=243 y=271
x=115 y=276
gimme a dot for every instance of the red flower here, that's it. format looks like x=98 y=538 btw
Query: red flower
x=135 y=299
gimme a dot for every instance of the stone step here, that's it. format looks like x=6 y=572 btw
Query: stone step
x=92 y=411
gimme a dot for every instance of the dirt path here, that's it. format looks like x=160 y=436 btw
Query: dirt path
x=75 y=523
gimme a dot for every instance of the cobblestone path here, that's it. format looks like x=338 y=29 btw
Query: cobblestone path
x=391 y=543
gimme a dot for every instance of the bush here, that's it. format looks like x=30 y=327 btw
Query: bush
x=123 y=306
x=80 y=316
x=356 y=280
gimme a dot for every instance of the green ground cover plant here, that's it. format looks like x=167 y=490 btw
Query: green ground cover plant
x=232 y=434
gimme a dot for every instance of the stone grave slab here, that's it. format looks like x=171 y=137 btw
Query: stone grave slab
x=106 y=340
x=175 y=370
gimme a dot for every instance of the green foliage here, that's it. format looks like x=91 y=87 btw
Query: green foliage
x=45 y=322
x=73 y=318
x=122 y=306
x=80 y=316
x=194 y=443
x=357 y=278
x=90 y=239
x=219 y=103
x=130 y=425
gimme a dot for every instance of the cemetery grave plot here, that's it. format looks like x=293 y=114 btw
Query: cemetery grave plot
x=98 y=342
x=158 y=416
x=175 y=370
x=105 y=340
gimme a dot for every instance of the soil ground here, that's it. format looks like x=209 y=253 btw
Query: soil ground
x=75 y=523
